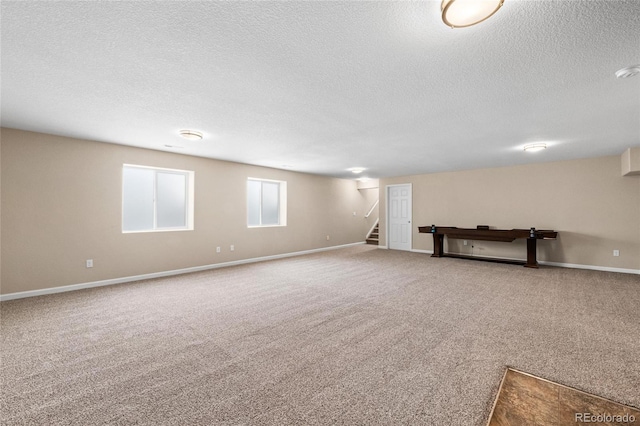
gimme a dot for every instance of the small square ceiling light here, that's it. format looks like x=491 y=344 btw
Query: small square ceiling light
x=465 y=13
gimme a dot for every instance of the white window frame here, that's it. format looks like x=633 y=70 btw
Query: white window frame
x=189 y=203
x=282 y=203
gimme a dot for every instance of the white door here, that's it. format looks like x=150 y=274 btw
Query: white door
x=399 y=217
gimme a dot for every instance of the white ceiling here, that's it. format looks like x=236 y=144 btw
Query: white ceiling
x=325 y=86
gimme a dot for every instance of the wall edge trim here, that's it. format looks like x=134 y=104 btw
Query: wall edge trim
x=548 y=263
x=590 y=267
x=422 y=251
x=102 y=283
x=112 y=281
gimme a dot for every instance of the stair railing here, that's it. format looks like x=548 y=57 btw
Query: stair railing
x=371 y=209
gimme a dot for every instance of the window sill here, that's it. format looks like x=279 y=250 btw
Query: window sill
x=147 y=231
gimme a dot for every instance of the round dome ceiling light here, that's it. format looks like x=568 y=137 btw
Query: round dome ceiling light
x=192 y=135
x=535 y=147
x=465 y=13
x=357 y=170
x=628 y=72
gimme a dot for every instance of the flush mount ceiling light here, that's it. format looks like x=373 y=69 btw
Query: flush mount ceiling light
x=535 y=147
x=192 y=135
x=357 y=170
x=628 y=72
x=464 y=13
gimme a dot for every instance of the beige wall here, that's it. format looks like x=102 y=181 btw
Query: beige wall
x=594 y=209
x=0 y=210
x=61 y=204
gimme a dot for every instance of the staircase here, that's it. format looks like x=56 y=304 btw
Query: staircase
x=372 y=238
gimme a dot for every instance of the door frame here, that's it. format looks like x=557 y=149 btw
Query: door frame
x=386 y=219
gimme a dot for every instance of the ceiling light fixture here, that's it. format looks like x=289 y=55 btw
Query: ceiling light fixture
x=192 y=135
x=357 y=170
x=628 y=71
x=464 y=13
x=535 y=147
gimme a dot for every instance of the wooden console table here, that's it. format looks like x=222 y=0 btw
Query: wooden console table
x=484 y=233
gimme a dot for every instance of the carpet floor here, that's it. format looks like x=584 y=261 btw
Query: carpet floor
x=351 y=336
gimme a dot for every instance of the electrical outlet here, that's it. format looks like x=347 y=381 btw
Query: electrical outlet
x=616 y=252
x=465 y=242
x=327 y=238
x=232 y=247
x=217 y=249
x=354 y=213
x=89 y=263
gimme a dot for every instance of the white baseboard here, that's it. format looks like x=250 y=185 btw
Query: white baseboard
x=412 y=250
x=590 y=267
x=558 y=264
x=72 y=287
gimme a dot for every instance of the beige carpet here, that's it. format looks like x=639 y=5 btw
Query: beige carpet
x=351 y=336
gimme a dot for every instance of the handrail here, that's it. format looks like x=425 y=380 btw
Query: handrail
x=372 y=207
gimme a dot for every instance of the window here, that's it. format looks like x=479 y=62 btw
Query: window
x=156 y=199
x=266 y=202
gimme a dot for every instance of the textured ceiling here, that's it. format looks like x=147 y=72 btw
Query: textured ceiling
x=325 y=86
